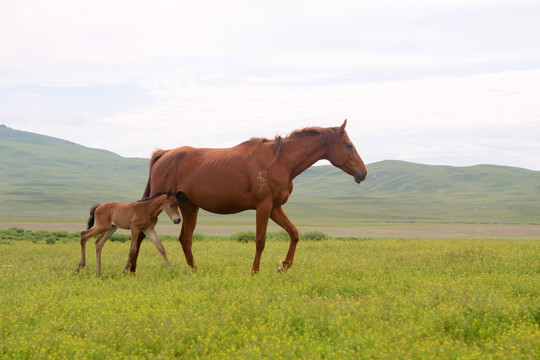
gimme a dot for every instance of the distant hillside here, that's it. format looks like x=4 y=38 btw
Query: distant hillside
x=42 y=176
x=46 y=177
x=403 y=191
x=388 y=178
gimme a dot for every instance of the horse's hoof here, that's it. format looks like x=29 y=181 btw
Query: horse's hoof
x=284 y=267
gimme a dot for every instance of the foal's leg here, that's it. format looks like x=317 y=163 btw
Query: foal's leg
x=99 y=245
x=151 y=233
x=82 y=262
x=85 y=235
x=280 y=218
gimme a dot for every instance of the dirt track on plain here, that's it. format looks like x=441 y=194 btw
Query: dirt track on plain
x=369 y=230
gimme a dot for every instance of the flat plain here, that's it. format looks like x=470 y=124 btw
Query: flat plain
x=410 y=230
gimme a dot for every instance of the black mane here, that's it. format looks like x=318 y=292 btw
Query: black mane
x=152 y=197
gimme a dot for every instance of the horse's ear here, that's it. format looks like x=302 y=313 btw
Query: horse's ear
x=342 y=127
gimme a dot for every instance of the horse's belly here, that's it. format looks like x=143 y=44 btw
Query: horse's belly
x=224 y=201
x=225 y=206
x=224 y=209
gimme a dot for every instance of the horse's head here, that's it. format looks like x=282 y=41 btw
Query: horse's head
x=342 y=154
x=170 y=205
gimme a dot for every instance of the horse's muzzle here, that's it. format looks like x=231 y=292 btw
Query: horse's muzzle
x=359 y=176
x=176 y=220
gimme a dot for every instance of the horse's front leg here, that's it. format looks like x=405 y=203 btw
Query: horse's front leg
x=262 y=216
x=280 y=218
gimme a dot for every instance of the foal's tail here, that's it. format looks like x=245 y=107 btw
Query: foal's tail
x=156 y=155
x=92 y=218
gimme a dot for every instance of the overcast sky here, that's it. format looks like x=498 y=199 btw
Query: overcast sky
x=454 y=82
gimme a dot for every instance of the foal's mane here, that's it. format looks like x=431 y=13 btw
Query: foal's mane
x=152 y=197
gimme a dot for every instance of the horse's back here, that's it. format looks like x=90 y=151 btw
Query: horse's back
x=179 y=165
x=219 y=180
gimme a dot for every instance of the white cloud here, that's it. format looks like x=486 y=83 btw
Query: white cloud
x=453 y=81
x=443 y=111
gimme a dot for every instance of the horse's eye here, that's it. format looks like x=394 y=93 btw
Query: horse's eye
x=171 y=206
x=349 y=146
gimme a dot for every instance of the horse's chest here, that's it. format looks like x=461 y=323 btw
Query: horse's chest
x=280 y=191
x=282 y=197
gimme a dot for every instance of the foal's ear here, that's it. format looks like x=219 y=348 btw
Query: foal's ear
x=342 y=127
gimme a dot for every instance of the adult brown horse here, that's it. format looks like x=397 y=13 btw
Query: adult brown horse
x=254 y=175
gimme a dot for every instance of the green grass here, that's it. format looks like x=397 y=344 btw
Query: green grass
x=342 y=299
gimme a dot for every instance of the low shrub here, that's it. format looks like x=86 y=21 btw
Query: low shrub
x=198 y=237
x=51 y=240
x=121 y=238
x=314 y=235
x=244 y=236
x=280 y=235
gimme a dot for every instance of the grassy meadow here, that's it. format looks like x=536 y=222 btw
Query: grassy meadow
x=342 y=299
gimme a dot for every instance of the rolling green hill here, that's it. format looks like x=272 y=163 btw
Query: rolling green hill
x=42 y=176
x=402 y=191
x=46 y=177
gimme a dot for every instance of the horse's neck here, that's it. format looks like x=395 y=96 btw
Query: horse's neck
x=300 y=153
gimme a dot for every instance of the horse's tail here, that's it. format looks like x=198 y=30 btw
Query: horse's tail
x=92 y=218
x=156 y=155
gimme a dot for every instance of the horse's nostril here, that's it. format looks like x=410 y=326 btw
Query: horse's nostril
x=360 y=176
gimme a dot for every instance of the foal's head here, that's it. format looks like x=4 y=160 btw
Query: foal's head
x=342 y=154
x=170 y=205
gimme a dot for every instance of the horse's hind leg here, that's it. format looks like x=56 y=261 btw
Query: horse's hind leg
x=134 y=248
x=99 y=245
x=132 y=261
x=189 y=213
x=280 y=218
x=151 y=233
x=262 y=215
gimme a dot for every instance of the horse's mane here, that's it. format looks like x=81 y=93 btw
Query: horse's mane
x=324 y=133
x=257 y=142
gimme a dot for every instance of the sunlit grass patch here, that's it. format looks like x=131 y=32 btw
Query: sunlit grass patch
x=342 y=299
